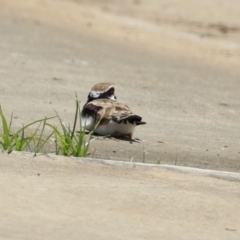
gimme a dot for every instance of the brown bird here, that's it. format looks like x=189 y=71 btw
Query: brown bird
x=103 y=114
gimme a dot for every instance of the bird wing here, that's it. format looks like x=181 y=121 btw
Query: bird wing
x=106 y=110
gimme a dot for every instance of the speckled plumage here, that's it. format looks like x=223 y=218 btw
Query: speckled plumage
x=111 y=117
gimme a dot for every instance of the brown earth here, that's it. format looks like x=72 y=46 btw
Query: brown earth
x=176 y=65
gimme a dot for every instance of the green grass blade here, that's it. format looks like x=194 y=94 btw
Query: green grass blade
x=34 y=122
x=6 y=132
x=75 y=119
x=38 y=147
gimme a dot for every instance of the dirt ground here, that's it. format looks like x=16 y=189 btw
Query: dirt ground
x=175 y=64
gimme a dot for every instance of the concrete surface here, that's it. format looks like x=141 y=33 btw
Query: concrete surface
x=176 y=65
x=185 y=88
x=49 y=197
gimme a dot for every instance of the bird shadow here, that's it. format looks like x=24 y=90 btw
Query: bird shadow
x=121 y=138
x=126 y=139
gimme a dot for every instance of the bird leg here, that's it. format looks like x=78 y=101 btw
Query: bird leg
x=129 y=135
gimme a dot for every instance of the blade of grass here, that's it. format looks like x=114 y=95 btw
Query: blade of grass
x=65 y=139
x=37 y=148
x=6 y=131
x=76 y=117
x=19 y=143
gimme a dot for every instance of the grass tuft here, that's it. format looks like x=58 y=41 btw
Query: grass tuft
x=16 y=141
x=68 y=141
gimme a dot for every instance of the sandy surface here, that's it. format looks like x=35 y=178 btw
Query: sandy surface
x=182 y=84
x=58 y=198
x=176 y=65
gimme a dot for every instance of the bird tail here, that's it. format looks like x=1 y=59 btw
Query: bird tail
x=135 y=119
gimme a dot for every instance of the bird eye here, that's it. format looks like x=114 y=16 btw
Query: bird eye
x=111 y=91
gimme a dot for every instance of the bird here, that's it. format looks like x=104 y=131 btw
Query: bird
x=105 y=116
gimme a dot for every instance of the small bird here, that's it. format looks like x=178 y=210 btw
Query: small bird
x=105 y=116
